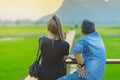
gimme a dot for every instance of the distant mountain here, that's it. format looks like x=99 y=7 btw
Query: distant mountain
x=7 y=22
x=18 y=22
x=99 y=11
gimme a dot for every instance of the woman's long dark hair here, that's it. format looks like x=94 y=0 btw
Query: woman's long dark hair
x=55 y=27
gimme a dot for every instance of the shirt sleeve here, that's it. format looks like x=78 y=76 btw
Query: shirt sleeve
x=79 y=47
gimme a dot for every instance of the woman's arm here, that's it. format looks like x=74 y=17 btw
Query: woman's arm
x=80 y=62
x=64 y=58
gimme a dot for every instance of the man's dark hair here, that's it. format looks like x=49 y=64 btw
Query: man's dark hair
x=87 y=27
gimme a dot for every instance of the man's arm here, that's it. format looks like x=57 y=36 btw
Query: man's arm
x=80 y=62
x=79 y=58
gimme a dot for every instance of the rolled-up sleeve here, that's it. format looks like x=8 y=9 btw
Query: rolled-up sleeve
x=79 y=47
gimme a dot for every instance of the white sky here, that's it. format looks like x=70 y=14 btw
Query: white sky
x=27 y=9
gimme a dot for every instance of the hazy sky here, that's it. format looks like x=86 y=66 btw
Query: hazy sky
x=27 y=9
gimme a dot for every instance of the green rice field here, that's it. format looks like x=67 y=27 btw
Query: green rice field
x=17 y=52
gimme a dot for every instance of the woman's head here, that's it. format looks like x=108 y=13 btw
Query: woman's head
x=87 y=27
x=55 y=27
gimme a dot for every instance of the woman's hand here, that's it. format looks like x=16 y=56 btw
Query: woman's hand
x=82 y=72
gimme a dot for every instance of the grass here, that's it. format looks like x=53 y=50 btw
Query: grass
x=26 y=29
x=17 y=55
x=112 y=48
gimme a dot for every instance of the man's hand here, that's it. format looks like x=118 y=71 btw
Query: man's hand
x=82 y=72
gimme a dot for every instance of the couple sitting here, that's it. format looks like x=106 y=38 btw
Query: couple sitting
x=88 y=51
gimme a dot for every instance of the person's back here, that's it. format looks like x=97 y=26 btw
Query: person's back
x=96 y=45
x=94 y=55
x=54 y=51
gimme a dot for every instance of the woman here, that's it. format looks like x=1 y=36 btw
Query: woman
x=90 y=55
x=54 y=51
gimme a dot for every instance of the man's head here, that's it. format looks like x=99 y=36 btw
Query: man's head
x=87 y=27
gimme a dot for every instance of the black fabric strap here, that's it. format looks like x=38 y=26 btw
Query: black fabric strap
x=38 y=55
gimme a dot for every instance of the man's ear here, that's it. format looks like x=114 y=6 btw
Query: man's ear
x=83 y=34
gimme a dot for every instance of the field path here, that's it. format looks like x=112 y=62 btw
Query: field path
x=69 y=38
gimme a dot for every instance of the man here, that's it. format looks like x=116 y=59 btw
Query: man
x=90 y=55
